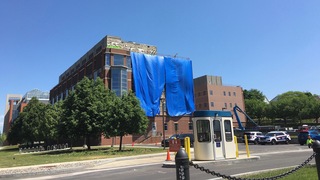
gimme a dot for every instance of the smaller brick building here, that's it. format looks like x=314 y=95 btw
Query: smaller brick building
x=211 y=94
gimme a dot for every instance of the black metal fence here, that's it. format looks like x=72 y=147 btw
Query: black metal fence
x=183 y=164
x=43 y=148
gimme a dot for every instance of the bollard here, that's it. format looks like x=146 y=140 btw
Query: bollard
x=182 y=165
x=316 y=149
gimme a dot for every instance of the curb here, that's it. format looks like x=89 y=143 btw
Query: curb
x=171 y=164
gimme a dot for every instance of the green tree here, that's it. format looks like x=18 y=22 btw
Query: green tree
x=84 y=111
x=256 y=109
x=49 y=125
x=14 y=135
x=255 y=104
x=253 y=94
x=126 y=117
x=291 y=105
x=3 y=138
x=27 y=128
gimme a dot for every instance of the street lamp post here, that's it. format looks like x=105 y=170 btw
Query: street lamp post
x=163 y=124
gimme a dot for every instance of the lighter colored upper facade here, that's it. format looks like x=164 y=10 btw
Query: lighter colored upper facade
x=211 y=94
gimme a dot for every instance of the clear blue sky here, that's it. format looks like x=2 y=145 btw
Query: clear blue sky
x=272 y=46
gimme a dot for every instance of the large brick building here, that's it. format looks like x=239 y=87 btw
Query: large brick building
x=211 y=94
x=110 y=60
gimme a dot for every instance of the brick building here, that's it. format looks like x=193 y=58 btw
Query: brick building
x=110 y=60
x=211 y=94
x=16 y=102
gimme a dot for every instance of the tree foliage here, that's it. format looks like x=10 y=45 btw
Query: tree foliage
x=126 y=117
x=85 y=110
x=255 y=104
x=295 y=105
x=253 y=94
x=36 y=122
x=3 y=138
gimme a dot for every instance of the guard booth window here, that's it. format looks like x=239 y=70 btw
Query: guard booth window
x=217 y=130
x=203 y=130
x=227 y=130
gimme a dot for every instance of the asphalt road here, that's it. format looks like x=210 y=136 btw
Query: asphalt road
x=271 y=157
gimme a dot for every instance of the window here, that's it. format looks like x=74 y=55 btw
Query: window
x=211 y=92
x=205 y=104
x=212 y=104
x=96 y=74
x=165 y=126
x=107 y=60
x=225 y=105
x=229 y=93
x=227 y=130
x=203 y=130
x=217 y=130
x=118 y=60
x=176 y=127
x=230 y=105
x=204 y=92
x=129 y=62
x=154 y=126
x=224 y=93
x=119 y=80
x=190 y=126
x=234 y=93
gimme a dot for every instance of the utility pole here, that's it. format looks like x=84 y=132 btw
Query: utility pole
x=163 y=123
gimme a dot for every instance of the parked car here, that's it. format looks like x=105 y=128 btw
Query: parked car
x=178 y=136
x=275 y=137
x=303 y=136
x=252 y=136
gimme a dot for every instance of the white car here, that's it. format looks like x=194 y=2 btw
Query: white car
x=252 y=136
x=275 y=137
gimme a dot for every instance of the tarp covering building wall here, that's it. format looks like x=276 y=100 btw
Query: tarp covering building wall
x=152 y=73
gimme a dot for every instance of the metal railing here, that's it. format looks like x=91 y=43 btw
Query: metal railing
x=182 y=165
x=43 y=148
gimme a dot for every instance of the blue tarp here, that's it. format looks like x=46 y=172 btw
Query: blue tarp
x=151 y=73
x=148 y=74
x=179 y=86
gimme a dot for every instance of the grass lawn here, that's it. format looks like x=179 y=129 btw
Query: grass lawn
x=309 y=172
x=10 y=156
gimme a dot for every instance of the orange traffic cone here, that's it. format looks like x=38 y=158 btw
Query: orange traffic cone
x=168 y=156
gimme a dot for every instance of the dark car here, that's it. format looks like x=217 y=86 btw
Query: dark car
x=179 y=136
x=303 y=136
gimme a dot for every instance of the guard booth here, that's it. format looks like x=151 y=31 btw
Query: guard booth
x=213 y=135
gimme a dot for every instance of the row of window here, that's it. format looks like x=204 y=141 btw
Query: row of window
x=212 y=105
x=119 y=74
x=204 y=132
x=176 y=126
x=204 y=93
x=118 y=60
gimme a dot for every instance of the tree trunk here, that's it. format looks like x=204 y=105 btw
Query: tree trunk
x=285 y=121
x=120 y=144
x=88 y=142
